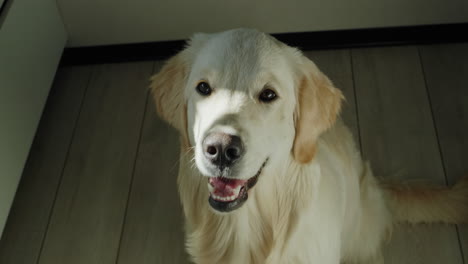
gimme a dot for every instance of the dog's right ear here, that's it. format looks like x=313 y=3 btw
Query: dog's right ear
x=167 y=88
x=168 y=85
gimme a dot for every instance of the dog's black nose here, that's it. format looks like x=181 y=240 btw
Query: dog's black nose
x=222 y=149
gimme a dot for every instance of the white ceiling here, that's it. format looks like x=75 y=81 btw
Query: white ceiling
x=103 y=22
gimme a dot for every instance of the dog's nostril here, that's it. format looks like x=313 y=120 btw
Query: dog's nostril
x=211 y=150
x=232 y=153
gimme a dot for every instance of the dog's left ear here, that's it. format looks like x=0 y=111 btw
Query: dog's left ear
x=319 y=104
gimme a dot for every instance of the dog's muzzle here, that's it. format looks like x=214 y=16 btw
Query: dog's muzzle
x=228 y=194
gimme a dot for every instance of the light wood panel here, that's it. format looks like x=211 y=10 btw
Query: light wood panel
x=399 y=139
x=27 y=223
x=446 y=71
x=87 y=219
x=153 y=231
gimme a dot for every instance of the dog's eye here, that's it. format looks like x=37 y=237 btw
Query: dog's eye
x=204 y=88
x=267 y=96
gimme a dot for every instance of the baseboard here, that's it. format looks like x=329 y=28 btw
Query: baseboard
x=334 y=39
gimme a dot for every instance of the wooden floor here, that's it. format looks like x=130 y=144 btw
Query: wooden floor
x=100 y=183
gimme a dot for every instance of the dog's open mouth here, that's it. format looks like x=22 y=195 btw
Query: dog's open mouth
x=227 y=194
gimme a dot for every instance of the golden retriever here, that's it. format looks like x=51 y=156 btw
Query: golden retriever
x=268 y=172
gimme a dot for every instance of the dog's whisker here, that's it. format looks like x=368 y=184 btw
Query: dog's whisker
x=181 y=157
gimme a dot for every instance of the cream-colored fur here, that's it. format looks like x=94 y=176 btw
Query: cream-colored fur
x=315 y=201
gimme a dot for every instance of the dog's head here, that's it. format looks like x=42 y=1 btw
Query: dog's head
x=243 y=101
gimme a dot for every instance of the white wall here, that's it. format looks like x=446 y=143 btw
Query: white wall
x=32 y=38
x=98 y=22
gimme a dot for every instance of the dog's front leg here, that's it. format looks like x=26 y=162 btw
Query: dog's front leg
x=306 y=259
x=300 y=249
x=377 y=259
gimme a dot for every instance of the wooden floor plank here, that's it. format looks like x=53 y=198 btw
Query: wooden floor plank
x=153 y=231
x=87 y=218
x=399 y=139
x=336 y=64
x=446 y=71
x=30 y=212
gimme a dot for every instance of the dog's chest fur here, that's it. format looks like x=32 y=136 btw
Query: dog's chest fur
x=241 y=238
x=249 y=235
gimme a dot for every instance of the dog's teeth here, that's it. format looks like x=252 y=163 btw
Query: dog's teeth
x=224 y=199
x=237 y=190
x=210 y=188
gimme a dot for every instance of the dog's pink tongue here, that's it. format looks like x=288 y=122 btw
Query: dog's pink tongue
x=225 y=187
